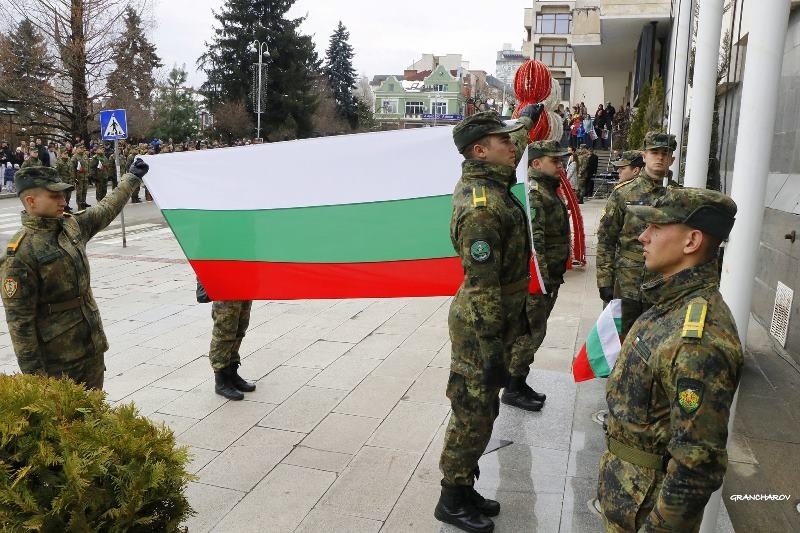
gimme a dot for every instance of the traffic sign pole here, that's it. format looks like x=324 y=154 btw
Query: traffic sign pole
x=121 y=213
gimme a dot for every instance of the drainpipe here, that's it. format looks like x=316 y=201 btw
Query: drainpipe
x=680 y=72
x=704 y=88
x=765 y=46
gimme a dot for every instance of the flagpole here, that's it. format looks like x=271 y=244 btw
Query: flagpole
x=121 y=213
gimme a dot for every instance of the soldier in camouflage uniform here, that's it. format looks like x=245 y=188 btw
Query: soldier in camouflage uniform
x=670 y=392
x=99 y=169
x=131 y=154
x=231 y=319
x=551 y=240
x=52 y=317
x=33 y=159
x=489 y=231
x=64 y=170
x=620 y=265
x=628 y=165
x=80 y=175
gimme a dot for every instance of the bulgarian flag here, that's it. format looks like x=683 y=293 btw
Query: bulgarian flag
x=602 y=347
x=351 y=216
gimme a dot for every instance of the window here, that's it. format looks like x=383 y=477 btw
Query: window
x=559 y=23
x=414 y=108
x=439 y=108
x=554 y=55
x=390 y=106
x=566 y=86
x=439 y=88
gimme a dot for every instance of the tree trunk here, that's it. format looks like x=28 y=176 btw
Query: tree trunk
x=77 y=70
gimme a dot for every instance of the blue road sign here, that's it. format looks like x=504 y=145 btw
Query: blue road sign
x=113 y=125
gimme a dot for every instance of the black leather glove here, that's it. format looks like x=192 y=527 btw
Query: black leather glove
x=532 y=111
x=139 y=168
x=606 y=294
x=494 y=374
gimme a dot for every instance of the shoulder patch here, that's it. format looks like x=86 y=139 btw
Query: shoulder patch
x=479 y=196
x=689 y=394
x=10 y=286
x=480 y=251
x=695 y=319
x=13 y=244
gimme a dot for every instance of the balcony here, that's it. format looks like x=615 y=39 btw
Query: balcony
x=604 y=37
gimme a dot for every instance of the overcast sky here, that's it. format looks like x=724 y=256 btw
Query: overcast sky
x=386 y=36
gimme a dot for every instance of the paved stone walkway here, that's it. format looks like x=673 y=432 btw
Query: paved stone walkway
x=345 y=429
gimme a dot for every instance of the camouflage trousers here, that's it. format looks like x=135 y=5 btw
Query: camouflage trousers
x=81 y=184
x=627 y=495
x=100 y=188
x=631 y=310
x=475 y=408
x=89 y=370
x=231 y=319
x=538 y=308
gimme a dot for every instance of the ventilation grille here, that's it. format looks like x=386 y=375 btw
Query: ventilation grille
x=779 y=326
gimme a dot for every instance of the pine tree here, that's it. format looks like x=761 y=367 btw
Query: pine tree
x=341 y=75
x=230 y=64
x=131 y=83
x=176 y=110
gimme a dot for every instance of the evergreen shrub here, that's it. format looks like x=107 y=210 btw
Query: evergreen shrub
x=71 y=462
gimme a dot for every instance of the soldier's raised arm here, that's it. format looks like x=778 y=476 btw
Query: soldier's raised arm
x=101 y=215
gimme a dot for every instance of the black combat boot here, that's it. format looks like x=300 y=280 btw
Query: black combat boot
x=232 y=371
x=485 y=506
x=455 y=507
x=223 y=387
x=516 y=394
x=532 y=393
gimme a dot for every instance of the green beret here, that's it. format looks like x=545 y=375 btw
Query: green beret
x=478 y=126
x=39 y=176
x=709 y=211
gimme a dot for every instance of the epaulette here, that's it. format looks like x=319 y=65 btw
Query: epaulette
x=82 y=211
x=479 y=198
x=695 y=319
x=13 y=244
x=620 y=185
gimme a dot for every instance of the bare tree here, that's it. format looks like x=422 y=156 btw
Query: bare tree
x=80 y=35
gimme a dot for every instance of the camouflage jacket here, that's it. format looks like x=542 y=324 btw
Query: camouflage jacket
x=31 y=162
x=489 y=231
x=583 y=164
x=99 y=168
x=670 y=394
x=620 y=263
x=64 y=169
x=549 y=227
x=79 y=165
x=46 y=266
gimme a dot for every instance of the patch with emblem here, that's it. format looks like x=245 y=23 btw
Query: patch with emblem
x=690 y=394
x=642 y=348
x=480 y=251
x=10 y=287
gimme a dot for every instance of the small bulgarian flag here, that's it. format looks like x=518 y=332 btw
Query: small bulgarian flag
x=598 y=355
x=350 y=216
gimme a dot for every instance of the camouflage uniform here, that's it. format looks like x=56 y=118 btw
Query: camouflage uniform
x=231 y=319
x=669 y=395
x=99 y=171
x=620 y=264
x=628 y=158
x=53 y=320
x=489 y=231
x=80 y=176
x=551 y=240
x=31 y=162
x=64 y=170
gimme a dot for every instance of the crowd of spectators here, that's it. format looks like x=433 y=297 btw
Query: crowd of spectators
x=581 y=128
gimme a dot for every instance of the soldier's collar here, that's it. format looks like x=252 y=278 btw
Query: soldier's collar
x=534 y=173
x=41 y=223
x=474 y=168
x=663 y=292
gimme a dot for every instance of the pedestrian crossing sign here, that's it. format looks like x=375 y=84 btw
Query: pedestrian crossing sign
x=113 y=125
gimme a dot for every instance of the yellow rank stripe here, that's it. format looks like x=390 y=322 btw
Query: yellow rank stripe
x=479 y=201
x=13 y=245
x=695 y=320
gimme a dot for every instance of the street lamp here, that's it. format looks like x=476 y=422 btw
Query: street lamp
x=261 y=48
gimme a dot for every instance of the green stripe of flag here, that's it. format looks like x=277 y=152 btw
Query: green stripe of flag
x=596 y=355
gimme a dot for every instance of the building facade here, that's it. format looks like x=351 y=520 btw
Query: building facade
x=420 y=98
x=549 y=25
